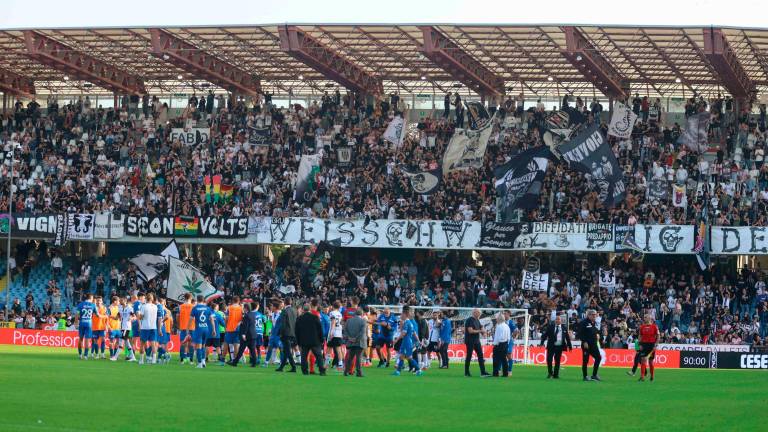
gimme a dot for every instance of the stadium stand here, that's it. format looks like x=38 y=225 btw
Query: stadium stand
x=75 y=157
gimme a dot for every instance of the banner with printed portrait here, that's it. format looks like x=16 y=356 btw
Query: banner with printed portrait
x=519 y=182
x=589 y=153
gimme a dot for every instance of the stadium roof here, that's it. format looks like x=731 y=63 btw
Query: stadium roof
x=542 y=60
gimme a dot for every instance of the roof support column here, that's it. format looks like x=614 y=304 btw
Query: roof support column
x=201 y=64
x=599 y=71
x=79 y=65
x=333 y=65
x=460 y=64
x=723 y=59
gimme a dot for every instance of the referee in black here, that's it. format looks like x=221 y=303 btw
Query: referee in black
x=589 y=333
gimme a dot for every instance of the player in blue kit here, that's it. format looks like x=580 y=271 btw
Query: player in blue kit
x=513 y=333
x=136 y=302
x=274 y=336
x=384 y=326
x=85 y=311
x=203 y=318
x=409 y=339
x=163 y=335
x=259 y=318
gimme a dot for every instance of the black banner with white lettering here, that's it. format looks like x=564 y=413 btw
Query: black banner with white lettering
x=499 y=235
x=589 y=152
x=203 y=227
x=62 y=230
x=519 y=181
x=740 y=360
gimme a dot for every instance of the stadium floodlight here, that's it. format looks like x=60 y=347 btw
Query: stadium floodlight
x=549 y=78
x=677 y=80
x=457 y=316
x=180 y=76
x=66 y=77
x=423 y=78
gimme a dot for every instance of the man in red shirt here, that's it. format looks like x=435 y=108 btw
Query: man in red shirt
x=649 y=337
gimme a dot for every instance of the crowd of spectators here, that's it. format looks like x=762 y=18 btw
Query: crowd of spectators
x=717 y=308
x=78 y=157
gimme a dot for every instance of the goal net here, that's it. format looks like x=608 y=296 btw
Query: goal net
x=459 y=315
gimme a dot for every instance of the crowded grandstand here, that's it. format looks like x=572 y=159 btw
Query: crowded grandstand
x=352 y=191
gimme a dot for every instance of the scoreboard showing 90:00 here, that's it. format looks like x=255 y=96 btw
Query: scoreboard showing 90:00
x=696 y=359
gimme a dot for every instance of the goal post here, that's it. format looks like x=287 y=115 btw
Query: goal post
x=458 y=315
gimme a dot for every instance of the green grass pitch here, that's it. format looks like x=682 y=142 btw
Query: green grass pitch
x=50 y=390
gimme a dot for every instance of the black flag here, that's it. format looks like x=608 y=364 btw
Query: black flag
x=589 y=152
x=519 y=181
x=477 y=114
x=424 y=182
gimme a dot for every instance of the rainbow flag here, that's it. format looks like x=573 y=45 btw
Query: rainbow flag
x=227 y=191
x=207 y=182
x=185 y=226
x=216 y=185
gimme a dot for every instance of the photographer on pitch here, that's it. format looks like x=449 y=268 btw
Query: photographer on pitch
x=589 y=335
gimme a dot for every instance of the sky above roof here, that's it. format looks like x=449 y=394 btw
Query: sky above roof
x=139 y=13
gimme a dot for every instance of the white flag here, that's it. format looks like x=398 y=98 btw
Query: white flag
x=171 y=250
x=535 y=281
x=622 y=122
x=679 y=196
x=185 y=278
x=608 y=279
x=466 y=149
x=395 y=132
x=149 y=266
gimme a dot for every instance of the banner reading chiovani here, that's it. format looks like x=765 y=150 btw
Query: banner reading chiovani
x=166 y=226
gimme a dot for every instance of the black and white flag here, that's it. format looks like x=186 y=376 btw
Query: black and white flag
x=477 y=114
x=589 y=152
x=695 y=135
x=519 y=181
x=260 y=136
x=62 y=230
x=466 y=149
x=395 y=132
x=424 y=182
x=80 y=226
x=658 y=189
x=607 y=277
x=622 y=121
x=344 y=156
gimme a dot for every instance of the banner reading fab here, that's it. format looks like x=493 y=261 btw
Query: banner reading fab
x=535 y=281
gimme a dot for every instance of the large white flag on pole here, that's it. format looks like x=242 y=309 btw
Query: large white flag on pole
x=185 y=278
x=395 y=132
x=622 y=122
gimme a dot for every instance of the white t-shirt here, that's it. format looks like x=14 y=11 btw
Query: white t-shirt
x=125 y=317
x=336 y=329
x=148 y=313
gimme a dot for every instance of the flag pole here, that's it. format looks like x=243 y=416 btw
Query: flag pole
x=10 y=225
